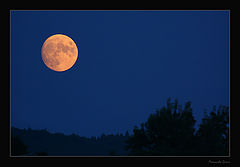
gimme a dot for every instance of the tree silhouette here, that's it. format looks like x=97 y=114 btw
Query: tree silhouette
x=17 y=146
x=170 y=131
x=213 y=133
x=44 y=143
x=126 y=134
x=167 y=132
x=138 y=143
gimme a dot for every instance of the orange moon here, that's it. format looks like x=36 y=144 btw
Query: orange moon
x=59 y=52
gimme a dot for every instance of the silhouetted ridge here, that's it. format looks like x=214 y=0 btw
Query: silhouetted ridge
x=58 y=144
x=168 y=132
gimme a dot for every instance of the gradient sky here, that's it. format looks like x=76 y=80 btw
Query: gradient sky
x=129 y=63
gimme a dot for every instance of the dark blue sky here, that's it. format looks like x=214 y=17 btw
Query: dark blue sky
x=129 y=63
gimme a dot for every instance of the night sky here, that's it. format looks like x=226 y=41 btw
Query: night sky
x=129 y=63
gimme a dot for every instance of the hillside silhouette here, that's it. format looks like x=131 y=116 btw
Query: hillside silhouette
x=42 y=142
x=168 y=132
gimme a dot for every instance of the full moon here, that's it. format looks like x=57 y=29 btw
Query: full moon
x=59 y=52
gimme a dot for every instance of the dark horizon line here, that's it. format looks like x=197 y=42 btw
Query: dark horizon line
x=45 y=129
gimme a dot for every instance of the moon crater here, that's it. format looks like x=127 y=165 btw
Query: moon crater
x=59 y=52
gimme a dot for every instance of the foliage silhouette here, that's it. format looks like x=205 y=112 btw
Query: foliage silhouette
x=17 y=146
x=44 y=143
x=213 y=133
x=170 y=132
